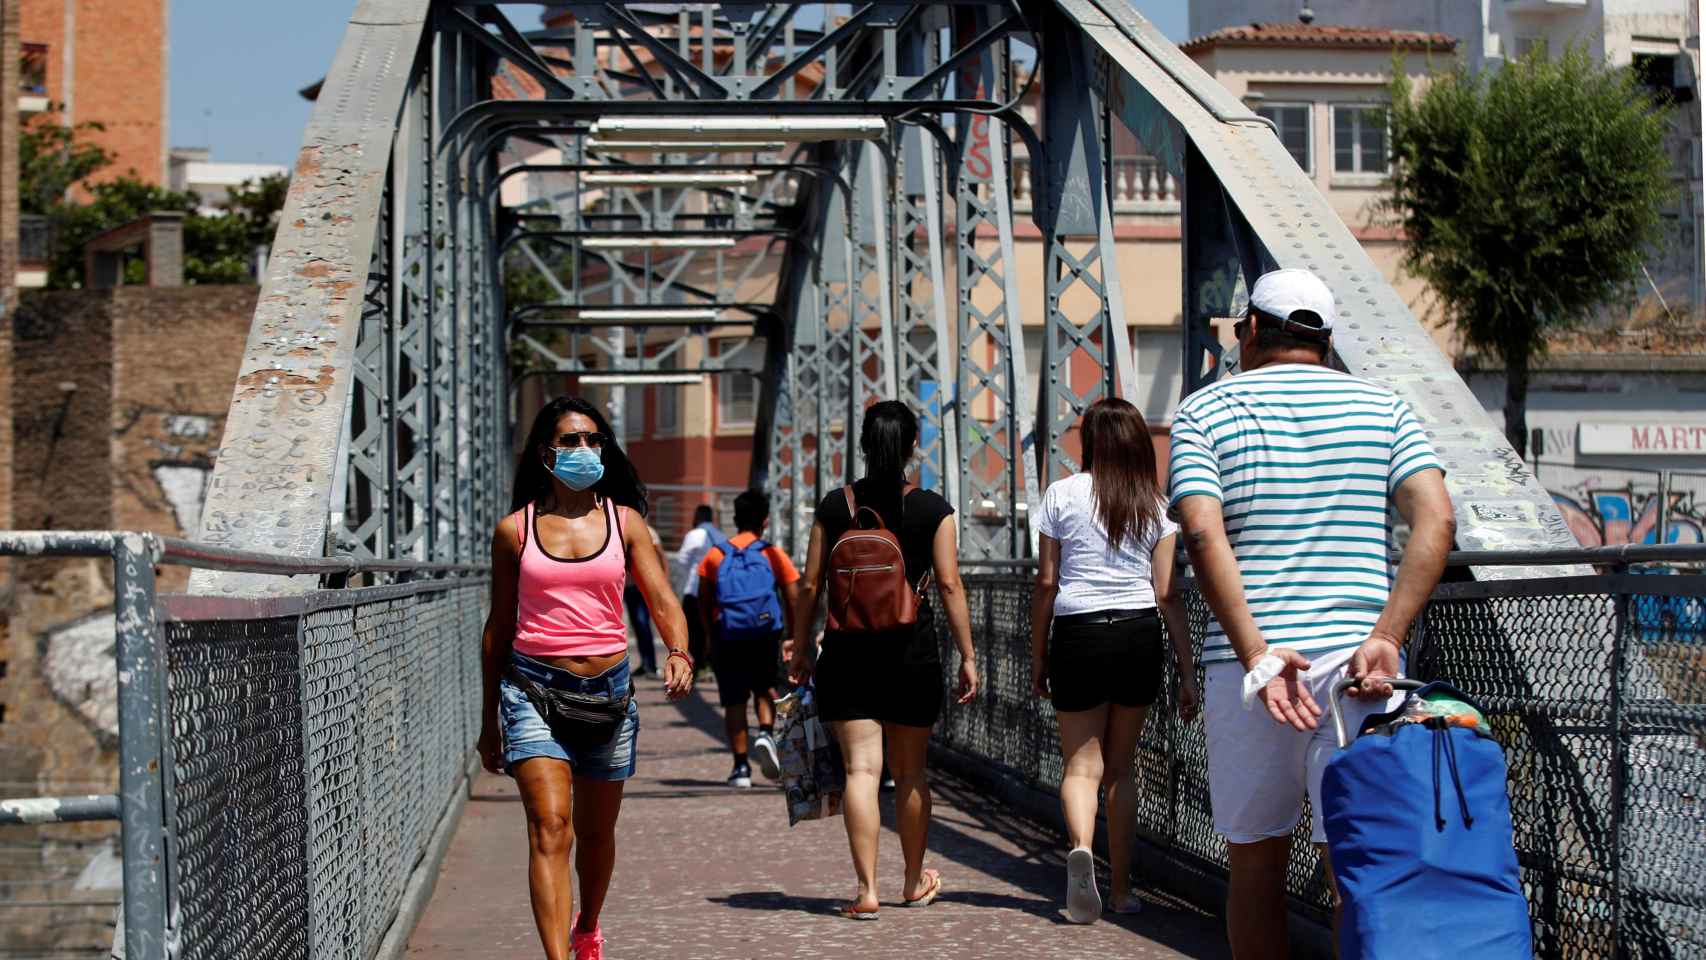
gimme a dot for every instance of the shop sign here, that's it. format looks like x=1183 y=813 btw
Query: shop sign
x=1644 y=437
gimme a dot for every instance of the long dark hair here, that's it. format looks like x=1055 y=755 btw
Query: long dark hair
x=621 y=483
x=1120 y=458
x=886 y=438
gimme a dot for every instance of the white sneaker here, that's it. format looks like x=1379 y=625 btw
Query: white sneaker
x=1083 y=902
x=769 y=761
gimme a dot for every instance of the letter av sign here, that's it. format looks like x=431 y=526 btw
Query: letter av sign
x=1648 y=437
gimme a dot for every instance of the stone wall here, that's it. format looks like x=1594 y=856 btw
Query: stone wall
x=118 y=397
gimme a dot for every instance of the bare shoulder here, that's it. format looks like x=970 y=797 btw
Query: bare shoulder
x=635 y=530
x=506 y=536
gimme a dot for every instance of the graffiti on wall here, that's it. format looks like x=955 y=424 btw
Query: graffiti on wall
x=171 y=461
x=1614 y=515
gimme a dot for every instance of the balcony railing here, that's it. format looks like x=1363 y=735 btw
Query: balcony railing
x=1141 y=186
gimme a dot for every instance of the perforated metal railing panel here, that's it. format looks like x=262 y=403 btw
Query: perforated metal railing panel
x=236 y=740
x=1595 y=688
x=313 y=754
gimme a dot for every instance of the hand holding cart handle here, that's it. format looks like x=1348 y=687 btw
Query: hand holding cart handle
x=1398 y=683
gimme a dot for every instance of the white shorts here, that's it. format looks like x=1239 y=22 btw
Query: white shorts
x=1258 y=770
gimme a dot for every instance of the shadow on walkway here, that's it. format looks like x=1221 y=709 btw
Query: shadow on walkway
x=706 y=872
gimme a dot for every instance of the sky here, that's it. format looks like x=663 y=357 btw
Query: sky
x=236 y=68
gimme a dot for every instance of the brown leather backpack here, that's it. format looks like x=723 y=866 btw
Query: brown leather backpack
x=868 y=589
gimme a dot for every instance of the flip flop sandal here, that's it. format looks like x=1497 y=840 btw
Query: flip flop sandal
x=930 y=894
x=1126 y=906
x=849 y=912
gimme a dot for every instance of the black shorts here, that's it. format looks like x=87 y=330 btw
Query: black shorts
x=746 y=667
x=891 y=679
x=1109 y=656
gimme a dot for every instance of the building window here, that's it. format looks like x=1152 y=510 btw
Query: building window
x=633 y=413
x=737 y=393
x=1657 y=73
x=666 y=410
x=1359 y=139
x=1292 y=119
x=1535 y=45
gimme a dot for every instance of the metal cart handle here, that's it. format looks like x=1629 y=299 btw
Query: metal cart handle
x=1398 y=683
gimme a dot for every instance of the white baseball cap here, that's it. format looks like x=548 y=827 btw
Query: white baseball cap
x=1281 y=293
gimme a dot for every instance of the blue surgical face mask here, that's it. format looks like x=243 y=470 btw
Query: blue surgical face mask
x=579 y=467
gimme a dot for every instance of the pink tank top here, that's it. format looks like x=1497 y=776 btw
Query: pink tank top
x=571 y=607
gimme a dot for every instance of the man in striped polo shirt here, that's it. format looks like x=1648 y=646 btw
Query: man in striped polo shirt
x=1282 y=480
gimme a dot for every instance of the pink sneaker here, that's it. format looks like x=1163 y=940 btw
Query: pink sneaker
x=586 y=946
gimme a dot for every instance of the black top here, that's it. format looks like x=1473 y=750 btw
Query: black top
x=916 y=528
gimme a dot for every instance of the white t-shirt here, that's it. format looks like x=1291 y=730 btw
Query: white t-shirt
x=1094 y=575
x=694 y=546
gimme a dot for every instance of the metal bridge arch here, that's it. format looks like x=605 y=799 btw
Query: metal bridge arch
x=373 y=415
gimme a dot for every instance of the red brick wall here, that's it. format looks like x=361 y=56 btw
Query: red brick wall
x=62 y=365
x=169 y=403
x=118 y=75
x=129 y=448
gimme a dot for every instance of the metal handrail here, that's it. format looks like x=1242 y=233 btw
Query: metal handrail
x=205 y=556
x=143 y=800
x=1598 y=556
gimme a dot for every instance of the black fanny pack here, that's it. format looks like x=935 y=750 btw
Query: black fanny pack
x=578 y=720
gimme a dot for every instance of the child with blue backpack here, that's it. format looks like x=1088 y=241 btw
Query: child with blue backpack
x=745 y=620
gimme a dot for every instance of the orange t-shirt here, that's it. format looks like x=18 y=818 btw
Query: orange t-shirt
x=779 y=562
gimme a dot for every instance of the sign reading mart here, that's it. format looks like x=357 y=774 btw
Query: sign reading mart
x=1647 y=437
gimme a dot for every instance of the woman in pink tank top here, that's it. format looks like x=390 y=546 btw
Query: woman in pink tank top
x=555 y=637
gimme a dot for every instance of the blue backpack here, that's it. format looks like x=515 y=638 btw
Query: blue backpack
x=746 y=590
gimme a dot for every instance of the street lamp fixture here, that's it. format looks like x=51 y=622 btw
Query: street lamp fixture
x=669 y=179
x=686 y=315
x=683 y=146
x=637 y=379
x=737 y=129
x=659 y=241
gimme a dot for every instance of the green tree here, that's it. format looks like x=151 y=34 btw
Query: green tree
x=52 y=158
x=1529 y=198
x=217 y=249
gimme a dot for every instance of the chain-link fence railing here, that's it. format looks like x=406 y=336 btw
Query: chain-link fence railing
x=1594 y=686
x=285 y=761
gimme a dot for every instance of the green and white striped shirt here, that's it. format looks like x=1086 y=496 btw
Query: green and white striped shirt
x=1304 y=460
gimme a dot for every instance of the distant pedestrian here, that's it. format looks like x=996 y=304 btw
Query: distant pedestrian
x=640 y=621
x=1105 y=584
x=879 y=676
x=750 y=588
x=555 y=632
x=1283 y=481
x=694 y=545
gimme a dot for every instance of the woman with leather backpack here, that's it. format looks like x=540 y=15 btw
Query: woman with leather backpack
x=558 y=712
x=875 y=546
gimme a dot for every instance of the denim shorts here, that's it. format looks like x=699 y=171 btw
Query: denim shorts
x=526 y=734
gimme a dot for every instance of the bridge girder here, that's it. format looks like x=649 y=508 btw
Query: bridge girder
x=381 y=423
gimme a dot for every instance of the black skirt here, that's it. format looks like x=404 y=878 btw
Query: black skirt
x=889 y=677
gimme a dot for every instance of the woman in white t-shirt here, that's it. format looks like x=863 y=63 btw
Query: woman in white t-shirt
x=1105 y=567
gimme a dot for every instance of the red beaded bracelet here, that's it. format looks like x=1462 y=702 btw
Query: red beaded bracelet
x=683 y=654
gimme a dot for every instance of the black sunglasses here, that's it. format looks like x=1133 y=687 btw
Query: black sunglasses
x=569 y=441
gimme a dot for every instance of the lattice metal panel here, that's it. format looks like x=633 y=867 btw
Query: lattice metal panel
x=871 y=282
x=332 y=734
x=237 y=806
x=997 y=456
x=922 y=345
x=1608 y=825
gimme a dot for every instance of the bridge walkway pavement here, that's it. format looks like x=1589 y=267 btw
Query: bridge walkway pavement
x=708 y=872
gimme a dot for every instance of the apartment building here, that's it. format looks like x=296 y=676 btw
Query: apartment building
x=94 y=61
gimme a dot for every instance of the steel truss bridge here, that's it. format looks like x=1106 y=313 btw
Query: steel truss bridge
x=833 y=181
x=476 y=204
